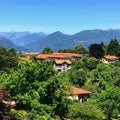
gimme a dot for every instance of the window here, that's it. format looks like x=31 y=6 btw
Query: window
x=59 y=70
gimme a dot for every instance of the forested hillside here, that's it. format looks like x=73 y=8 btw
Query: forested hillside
x=40 y=92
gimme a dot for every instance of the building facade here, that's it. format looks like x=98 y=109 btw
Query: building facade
x=62 y=65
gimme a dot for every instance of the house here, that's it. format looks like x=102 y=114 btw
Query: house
x=62 y=61
x=108 y=59
x=78 y=94
x=62 y=65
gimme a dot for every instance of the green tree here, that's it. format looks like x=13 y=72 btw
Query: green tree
x=36 y=89
x=8 y=59
x=113 y=47
x=96 y=51
x=100 y=78
x=118 y=52
x=109 y=102
x=116 y=76
x=78 y=64
x=77 y=77
x=117 y=63
x=104 y=47
x=66 y=50
x=86 y=111
x=47 y=50
x=80 y=49
x=77 y=49
x=55 y=88
x=91 y=63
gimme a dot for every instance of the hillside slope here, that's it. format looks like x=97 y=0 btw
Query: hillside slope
x=23 y=38
x=9 y=44
x=55 y=41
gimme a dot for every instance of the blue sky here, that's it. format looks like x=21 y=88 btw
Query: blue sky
x=67 y=16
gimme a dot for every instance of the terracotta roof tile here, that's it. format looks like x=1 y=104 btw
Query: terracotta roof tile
x=110 y=57
x=57 y=55
x=76 y=91
x=67 y=54
x=62 y=61
x=43 y=56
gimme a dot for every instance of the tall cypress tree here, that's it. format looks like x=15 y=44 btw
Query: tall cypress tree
x=113 y=47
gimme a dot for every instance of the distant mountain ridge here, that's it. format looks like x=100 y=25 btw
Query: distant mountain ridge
x=55 y=41
x=23 y=38
x=58 y=40
x=9 y=44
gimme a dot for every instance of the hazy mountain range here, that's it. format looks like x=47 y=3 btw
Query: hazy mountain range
x=9 y=44
x=22 y=38
x=58 y=40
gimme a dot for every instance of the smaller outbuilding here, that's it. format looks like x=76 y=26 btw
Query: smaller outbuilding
x=109 y=59
x=78 y=94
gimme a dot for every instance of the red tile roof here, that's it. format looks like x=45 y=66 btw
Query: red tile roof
x=62 y=61
x=67 y=54
x=43 y=56
x=58 y=55
x=110 y=57
x=77 y=91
